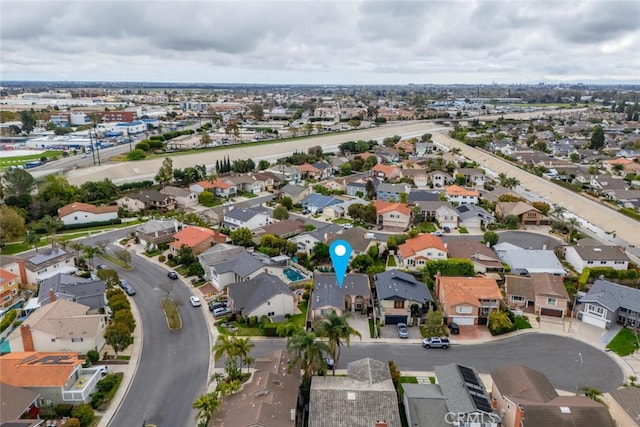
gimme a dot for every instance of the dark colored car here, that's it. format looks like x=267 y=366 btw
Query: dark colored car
x=172 y=275
x=454 y=329
x=129 y=289
x=215 y=305
x=446 y=229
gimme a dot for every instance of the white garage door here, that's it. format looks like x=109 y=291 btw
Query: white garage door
x=463 y=320
x=594 y=320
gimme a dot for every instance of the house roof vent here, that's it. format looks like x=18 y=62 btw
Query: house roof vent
x=565 y=410
x=351 y=396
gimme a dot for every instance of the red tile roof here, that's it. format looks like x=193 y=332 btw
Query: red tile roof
x=305 y=168
x=424 y=241
x=38 y=369
x=85 y=207
x=459 y=290
x=383 y=206
x=6 y=276
x=192 y=236
x=456 y=190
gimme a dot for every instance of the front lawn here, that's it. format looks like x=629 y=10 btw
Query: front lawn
x=243 y=330
x=624 y=343
x=426 y=227
x=463 y=230
x=341 y=221
x=391 y=261
x=522 y=322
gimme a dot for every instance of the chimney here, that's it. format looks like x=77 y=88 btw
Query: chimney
x=23 y=271
x=381 y=424
x=52 y=295
x=27 y=339
x=544 y=247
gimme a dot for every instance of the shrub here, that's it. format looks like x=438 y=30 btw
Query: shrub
x=143 y=146
x=72 y=422
x=8 y=319
x=269 y=329
x=93 y=356
x=97 y=399
x=500 y=323
x=136 y=154
x=162 y=258
x=84 y=413
x=64 y=409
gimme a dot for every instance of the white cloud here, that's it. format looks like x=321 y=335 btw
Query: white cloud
x=387 y=42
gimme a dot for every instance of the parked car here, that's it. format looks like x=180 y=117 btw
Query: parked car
x=172 y=275
x=454 y=328
x=103 y=369
x=347 y=226
x=436 y=342
x=438 y=233
x=195 y=301
x=403 y=332
x=101 y=267
x=446 y=229
x=129 y=289
x=214 y=305
x=329 y=361
x=220 y=311
x=123 y=283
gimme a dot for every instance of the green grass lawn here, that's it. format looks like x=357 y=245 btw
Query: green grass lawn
x=341 y=221
x=246 y=331
x=624 y=343
x=426 y=227
x=372 y=330
x=522 y=323
x=391 y=261
x=171 y=313
x=5 y=162
x=463 y=230
x=116 y=261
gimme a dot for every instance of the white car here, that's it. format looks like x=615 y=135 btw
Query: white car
x=195 y=301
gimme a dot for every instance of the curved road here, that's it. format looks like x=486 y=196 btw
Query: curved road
x=174 y=365
x=557 y=357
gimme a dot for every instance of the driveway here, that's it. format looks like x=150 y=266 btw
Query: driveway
x=361 y=324
x=471 y=333
x=391 y=331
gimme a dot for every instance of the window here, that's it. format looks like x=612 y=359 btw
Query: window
x=597 y=310
x=551 y=301
x=464 y=309
x=398 y=304
x=603 y=262
x=620 y=262
x=53 y=340
x=517 y=298
x=77 y=339
x=589 y=262
x=271 y=313
x=268 y=302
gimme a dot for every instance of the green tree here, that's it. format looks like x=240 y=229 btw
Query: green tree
x=345 y=169
x=263 y=164
x=11 y=224
x=307 y=352
x=511 y=221
x=257 y=111
x=84 y=413
x=499 y=323
x=206 y=198
x=109 y=276
x=491 y=238
x=17 y=182
x=165 y=173
x=51 y=225
x=136 y=154
x=361 y=263
x=91 y=252
x=596 y=142
x=32 y=239
x=450 y=267
x=242 y=237
x=206 y=405
x=433 y=324
x=243 y=349
x=280 y=213
x=320 y=252
x=205 y=139
x=354 y=123
x=287 y=202
x=543 y=207
x=117 y=335
x=126 y=318
x=337 y=330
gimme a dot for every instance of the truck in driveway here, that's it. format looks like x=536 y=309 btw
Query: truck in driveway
x=436 y=342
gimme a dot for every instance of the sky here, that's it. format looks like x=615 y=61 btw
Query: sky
x=321 y=42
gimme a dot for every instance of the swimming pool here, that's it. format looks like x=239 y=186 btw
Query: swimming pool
x=294 y=275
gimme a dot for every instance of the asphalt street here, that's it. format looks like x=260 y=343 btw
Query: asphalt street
x=557 y=357
x=173 y=365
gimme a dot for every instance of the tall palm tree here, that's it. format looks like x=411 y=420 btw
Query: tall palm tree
x=307 y=351
x=243 y=349
x=573 y=224
x=225 y=346
x=559 y=211
x=91 y=252
x=32 y=239
x=51 y=225
x=337 y=330
x=206 y=404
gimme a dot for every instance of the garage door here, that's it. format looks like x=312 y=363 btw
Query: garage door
x=594 y=320
x=462 y=320
x=550 y=312
x=394 y=320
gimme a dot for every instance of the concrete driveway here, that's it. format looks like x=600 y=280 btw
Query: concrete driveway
x=391 y=331
x=361 y=324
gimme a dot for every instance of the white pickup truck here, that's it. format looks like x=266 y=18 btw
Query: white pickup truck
x=436 y=342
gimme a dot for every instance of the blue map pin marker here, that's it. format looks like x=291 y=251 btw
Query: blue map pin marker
x=340 y=252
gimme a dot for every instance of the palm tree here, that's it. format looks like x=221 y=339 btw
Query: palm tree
x=91 y=252
x=51 y=225
x=243 y=348
x=225 y=346
x=559 y=211
x=337 y=330
x=32 y=239
x=573 y=223
x=206 y=405
x=307 y=351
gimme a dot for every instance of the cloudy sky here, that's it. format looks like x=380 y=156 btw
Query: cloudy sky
x=321 y=42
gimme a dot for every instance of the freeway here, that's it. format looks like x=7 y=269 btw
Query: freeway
x=557 y=357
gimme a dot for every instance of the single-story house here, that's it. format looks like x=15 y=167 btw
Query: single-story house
x=263 y=295
x=327 y=296
x=402 y=298
x=527 y=214
x=392 y=192
x=624 y=406
x=357 y=237
x=529 y=261
x=306 y=241
x=582 y=256
x=542 y=293
x=285 y=229
x=78 y=289
x=468 y=300
x=84 y=213
x=341 y=210
x=472 y=216
x=414 y=253
x=251 y=218
x=483 y=258
x=297 y=193
x=607 y=303
x=315 y=203
x=157 y=231
x=17 y=403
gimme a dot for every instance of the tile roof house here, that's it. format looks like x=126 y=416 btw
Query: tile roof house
x=84 y=213
x=224 y=188
x=15 y=402
x=473 y=177
x=157 y=231
x=526 y=398
x=243 y=183
x=542 y=293
x=224 y=264
x=466 y=300
x=200 y=186
x=57 y=376
x=184 y=197
x=439 y=179
x=147 y=199
x=607 y=303
x=457 y=194
x=527 y=214
x=8 y=288
x=580 y=257
x=199 y=239
x=364 y=398
x=419 y=177
x=414 y=253
x=529 y=261
x=78 y=289
x=457 y=398
x=263 y=295
x=308 y=171
x=34 y=269
x=624 y=406
x=447 y=216
x=60 y=326
x=251 y=218
x=391 y=192
x=427 y=209
x=483 y=258
x=327 y=296
x=357 y=237
x=402 y=298
x=384 y=172
x=268 y=400
x=392 y=214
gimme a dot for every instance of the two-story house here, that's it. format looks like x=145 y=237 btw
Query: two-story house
x=327 y=296
x=414 y=253
x=392 y=214
x=198 y=239
x=473 y=177
x=483 y=258
x=8 y=288
x=225 y=264
x=460 y=195
x=251 y=218
x=147 y=199
x=527 y=214
x=84 y=213
x=47 y=263
x=402 y=298
x=308 y=171
x=306 y=241
x=392 y=192
x=89 y=292
x=419 y=177
x=543 y=294
x=608 y=303
x=184 y=197
x=467 y=300
x=386 y=172
x=263 y=295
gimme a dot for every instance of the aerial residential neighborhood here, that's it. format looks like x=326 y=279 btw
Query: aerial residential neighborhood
x=358 y=214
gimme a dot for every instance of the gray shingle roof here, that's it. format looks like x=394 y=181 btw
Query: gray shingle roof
x=319 y=201
x=328 y=230
x=398 y=285
x=292 y=189
x=427 y=405
x=243 y=264
x=601 y=253
x=65 y=284
x=245 y=214
x=613 y=296
x=452 y=383
x=529 y=261
x=154 y=225
x=467 y=211
x=327 y=293
x=355 y=236
x=249 y=295
x=629 y=399
x=518 y=381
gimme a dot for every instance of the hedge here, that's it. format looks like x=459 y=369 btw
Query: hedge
x=8 y=319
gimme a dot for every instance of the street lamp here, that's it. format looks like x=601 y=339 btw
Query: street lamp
x=580 y=373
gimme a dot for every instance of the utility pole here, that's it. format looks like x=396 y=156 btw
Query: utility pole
x=580 y=374
x=93 y=152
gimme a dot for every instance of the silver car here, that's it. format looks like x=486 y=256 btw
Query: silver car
x=403 y=332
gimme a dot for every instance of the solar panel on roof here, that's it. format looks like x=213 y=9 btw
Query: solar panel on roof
x=482 y=403
x=463 y=208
